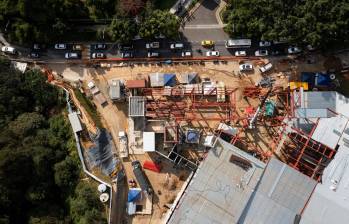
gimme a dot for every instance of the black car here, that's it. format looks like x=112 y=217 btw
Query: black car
x=125 y=47
x=100 y=46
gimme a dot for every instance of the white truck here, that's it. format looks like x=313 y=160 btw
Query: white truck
x=123 y=150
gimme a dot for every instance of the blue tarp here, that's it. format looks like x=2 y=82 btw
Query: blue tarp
x=169 y=79
x=192 y=136
x=133 y=195
x=316 y=79
x=322 y=79
x=308 y=77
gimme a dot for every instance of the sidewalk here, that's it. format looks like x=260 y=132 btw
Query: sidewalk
x=222 y=5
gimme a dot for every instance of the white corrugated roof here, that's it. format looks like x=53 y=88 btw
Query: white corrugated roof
x=330 y=200
x=75 y=122
x=329 y=130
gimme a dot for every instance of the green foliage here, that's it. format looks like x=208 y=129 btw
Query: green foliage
x=89 y=107
x=66 y=174
x=158 y=23
x=101 y=8
x=122 y=30
x=85 y=207
x=38 y=169
x=315 y=22
x=26 y=123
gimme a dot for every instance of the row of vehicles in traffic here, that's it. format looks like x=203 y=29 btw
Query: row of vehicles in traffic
x=153 y=49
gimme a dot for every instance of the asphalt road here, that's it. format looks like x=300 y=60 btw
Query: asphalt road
x=205 y=14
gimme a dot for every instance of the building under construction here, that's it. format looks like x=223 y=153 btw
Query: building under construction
x=285 y=144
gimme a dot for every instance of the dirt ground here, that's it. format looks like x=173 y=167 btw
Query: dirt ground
x=114 y=115
x=166 y=185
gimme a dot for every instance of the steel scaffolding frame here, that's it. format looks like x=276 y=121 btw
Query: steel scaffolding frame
x=190 y=104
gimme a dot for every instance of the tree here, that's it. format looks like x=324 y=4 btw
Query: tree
x=158 y=23
x=85 y=206
x=122 y=30
x=38 y=162
x=66 y=174
x=26 y=124
x=315 y=22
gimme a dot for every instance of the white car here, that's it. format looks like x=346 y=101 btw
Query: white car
x=261 y=53
x=153 y=54
x=71 y=55
x=152 y=45
x=9 y=50
x=186 y=54
x=264 y=43
x=294 y=50
x=97 y=55
x=240 y=53
x=60 y=46
x=212 y=53
x=246 y=67
x=176 y=46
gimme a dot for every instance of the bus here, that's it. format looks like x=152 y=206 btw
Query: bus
x=238 y=43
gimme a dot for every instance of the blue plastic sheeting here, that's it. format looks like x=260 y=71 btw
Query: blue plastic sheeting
x=169 y=79
x=133 y=195
x=316 y=79
x=308 y=77
x=101 y=154
x=323 y=79
x=192 y=136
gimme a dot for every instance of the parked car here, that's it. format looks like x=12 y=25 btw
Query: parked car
x=152 y=54
x=261 y=53
x=152 y=45
x=9 y=50
x=98 y=55
x=266 y=67
x=240 y=53
x=187 y=54
x=212 y=53
x=246 y=67
x=264 y=43
x=60 y=46
x=294 y=50
x=125 y=47
x=100 y=46
x=176 y=46
x=77 y=47
x=127 y=54
x=207 y=43
x=34 y=55
x=71 y=55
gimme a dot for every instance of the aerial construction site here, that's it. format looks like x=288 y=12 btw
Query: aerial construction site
x=189 y=141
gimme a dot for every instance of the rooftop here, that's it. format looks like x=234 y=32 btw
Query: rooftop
x=329 y=202
x=136 y=106
x=231 y=186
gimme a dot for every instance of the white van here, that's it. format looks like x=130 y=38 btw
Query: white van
x=266 y=67
x=8 y=50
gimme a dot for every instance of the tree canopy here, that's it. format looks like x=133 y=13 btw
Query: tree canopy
x=157 y=22
x=39 y=168
x=314 y=22
x=45 y=21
